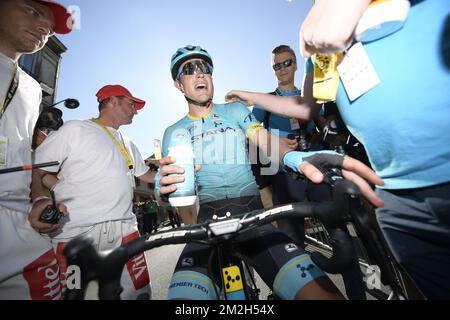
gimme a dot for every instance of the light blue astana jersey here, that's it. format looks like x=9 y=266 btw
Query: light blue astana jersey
x=220 y=146
x=404 y=121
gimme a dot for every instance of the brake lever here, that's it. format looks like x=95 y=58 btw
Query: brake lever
x=80 y=252
x=343 y=250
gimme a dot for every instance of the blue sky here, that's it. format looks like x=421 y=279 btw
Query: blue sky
x=131 y=43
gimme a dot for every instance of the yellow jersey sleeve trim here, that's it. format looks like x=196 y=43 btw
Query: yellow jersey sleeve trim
x=253 y=129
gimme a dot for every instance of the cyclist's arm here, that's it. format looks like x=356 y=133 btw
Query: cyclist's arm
x=294 y=106
x=301 y=107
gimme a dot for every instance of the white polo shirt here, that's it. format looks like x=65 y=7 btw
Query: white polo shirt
x=94 y=180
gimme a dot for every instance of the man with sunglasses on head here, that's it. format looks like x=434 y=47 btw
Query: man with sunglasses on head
x=97 y=171
x=226 y=184
x=28 y=267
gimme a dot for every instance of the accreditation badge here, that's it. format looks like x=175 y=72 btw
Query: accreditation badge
x=326 y=77
x=3 y=151
x=357 y=72
x=295 y=125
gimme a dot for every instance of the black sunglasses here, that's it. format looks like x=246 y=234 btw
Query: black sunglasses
x=191 y=67
x=286 y=63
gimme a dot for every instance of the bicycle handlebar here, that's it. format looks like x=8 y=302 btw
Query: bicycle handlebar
x=107 y=268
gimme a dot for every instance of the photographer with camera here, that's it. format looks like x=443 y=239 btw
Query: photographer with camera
x=28 y=267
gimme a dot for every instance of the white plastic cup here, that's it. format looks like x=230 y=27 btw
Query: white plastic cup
x=185 y=195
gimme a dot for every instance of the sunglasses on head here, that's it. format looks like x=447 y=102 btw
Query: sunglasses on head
x=286 y=63
x=190 y=68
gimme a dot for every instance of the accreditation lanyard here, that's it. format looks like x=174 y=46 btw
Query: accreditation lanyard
x=10 y=91
x=121 y=146
x=294 y=122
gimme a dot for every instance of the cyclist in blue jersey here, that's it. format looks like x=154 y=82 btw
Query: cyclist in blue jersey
x=226 y=184
x=401 y=124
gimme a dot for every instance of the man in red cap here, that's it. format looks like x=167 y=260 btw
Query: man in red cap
x=96 y=182
x=28 y=267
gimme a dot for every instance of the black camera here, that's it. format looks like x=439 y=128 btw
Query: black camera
x=50 y=118
x=338 y=138
x=51 y=214
x=302 y=139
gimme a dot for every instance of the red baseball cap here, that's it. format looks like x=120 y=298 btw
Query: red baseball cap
x=63 y=19
x=118 y=91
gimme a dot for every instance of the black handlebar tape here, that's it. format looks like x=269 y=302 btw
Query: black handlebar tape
x=343 y=253
x=109 y=272
x=334 y=221
x=178 y=236
x=374 y=243
x=343 y=191
x=80 y=252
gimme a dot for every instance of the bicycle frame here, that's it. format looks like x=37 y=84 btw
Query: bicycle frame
x=238 y=282
x=107 y=268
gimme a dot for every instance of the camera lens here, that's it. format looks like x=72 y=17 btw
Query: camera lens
x=303 y=144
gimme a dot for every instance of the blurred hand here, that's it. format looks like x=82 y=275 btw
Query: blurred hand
x=329 y=26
